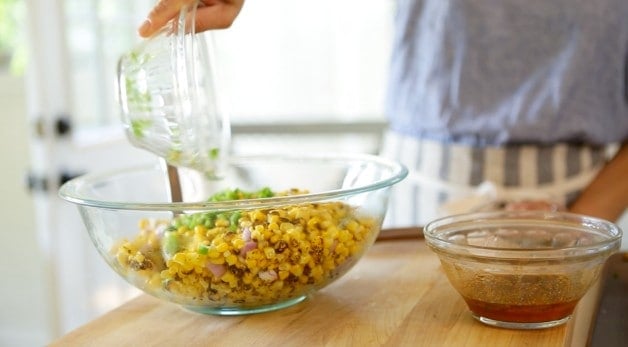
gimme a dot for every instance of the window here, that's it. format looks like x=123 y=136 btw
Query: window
x=11 y=52
x=286 y=61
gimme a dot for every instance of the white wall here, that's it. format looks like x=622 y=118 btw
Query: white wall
x=22 y=298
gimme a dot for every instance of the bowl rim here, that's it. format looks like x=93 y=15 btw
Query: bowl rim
x=73 y=190
x=611 y=231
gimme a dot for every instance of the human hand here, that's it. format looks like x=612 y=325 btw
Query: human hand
x=210 y=14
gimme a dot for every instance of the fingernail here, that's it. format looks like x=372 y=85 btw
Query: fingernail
x=145 y=27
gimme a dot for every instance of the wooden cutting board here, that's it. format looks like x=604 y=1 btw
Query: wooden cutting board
x=397 y=295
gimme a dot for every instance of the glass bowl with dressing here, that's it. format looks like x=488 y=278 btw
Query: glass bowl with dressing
x=522 y=269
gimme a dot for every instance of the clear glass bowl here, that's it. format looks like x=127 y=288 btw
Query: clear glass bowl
x=168 y=94
x=239 y=256
x=522 y=269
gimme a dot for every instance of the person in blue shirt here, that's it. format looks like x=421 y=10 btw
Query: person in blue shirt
x=508 y=98
x=522 y=97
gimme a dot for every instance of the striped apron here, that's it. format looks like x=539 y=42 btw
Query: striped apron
x=449 y=178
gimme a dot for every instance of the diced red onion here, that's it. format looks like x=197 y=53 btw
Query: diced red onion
x=246 y=234
x=268 y=276
x=217 y=269
x=248 y=246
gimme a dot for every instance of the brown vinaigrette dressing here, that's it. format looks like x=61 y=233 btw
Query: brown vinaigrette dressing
x=521 y=313
x=521 y=298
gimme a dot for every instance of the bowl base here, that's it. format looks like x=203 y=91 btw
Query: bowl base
x=520 y=325
x=237 y=311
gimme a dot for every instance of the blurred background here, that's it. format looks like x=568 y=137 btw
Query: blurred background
x=298 y=76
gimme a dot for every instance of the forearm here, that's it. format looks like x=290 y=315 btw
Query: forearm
x=607 y=195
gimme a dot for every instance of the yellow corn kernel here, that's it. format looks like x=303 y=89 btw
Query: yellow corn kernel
x=332 y=231
x=277 y=285
x=295 y=234
x=269 y=252
x=222 y=247
x=217 y=261
x=231 y=259
x=352 y=225
x=354 y=249
x=237 y=243
x=350 y=243
x=144 y=223
x=247 y=278
x=273 y=219
x=262 y=244
x=254 y=254
x=283 y=274
x=122 y=258
x=326 y=224
x=285 y=226
x=257 y=233
x=313 y=221
x=329 y=264
x=275 y=238
x=222 y=222
x=328 y=242
x=281 y=258
x=262 y=263
x=341 y=249
x=296 y=270
x=258 y=216
x=316 y=272
x=213 y=253
x=303 y=213
x=254 y=270
x=228 y=277
x=267 y=234
x=250 y=263
x=271 y=229
x=154 y=281
x=200 y=229
x=179 y=258
x=305 y=258
x=344 y=236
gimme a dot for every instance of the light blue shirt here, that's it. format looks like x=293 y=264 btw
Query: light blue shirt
x=490 y=72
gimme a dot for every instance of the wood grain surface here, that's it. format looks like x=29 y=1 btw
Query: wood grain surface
x=397 y=295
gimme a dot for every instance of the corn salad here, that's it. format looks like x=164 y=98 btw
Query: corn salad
x=246 y=258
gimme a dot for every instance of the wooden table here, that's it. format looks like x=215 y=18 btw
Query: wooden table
x=397 y=295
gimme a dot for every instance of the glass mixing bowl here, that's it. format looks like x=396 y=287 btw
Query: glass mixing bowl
x=522 y=269
x=264 y=252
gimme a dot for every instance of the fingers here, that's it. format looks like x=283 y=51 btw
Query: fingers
x=211 y=14
x=164 y=11
x=219 y=16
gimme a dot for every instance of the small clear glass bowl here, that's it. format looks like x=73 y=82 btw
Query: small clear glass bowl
x=239 y=256
x=169 y=97
x=522 y=269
